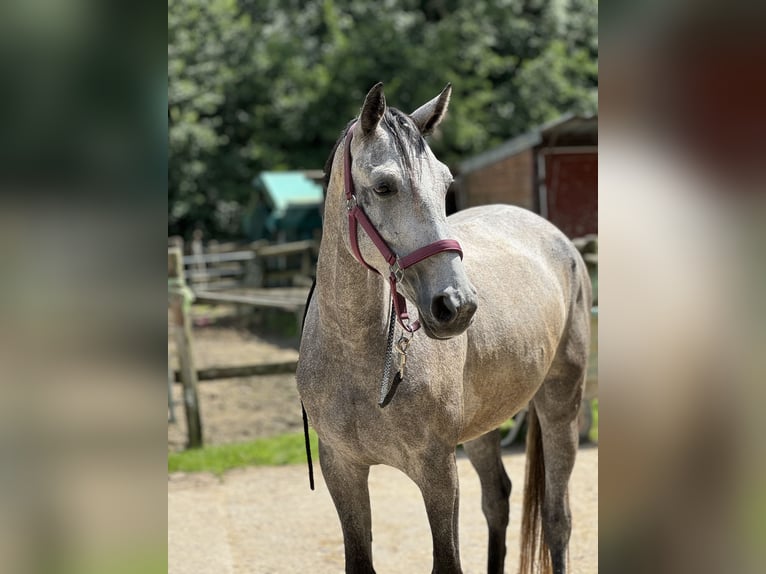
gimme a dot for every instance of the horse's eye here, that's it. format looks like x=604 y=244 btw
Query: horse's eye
x=383 y=189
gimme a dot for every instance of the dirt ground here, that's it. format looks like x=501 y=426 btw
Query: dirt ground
x=240 y=409
x=266 y=520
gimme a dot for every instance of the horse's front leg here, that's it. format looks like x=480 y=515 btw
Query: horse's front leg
x=347 y=483
x=438 y=482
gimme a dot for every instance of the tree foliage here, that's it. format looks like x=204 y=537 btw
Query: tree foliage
x=259 y=85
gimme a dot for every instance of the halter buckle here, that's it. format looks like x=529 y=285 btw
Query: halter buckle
x=401 y=348
x=397 y=271
x=351 y=203
x=403 y=343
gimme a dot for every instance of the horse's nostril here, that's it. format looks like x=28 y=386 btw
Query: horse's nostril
x=443 y=308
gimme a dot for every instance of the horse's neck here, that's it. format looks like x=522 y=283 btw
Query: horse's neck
x=353 y=302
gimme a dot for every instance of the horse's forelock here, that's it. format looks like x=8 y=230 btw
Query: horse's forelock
x=406 y=136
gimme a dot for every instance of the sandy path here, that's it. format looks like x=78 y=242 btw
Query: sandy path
x=266 y=520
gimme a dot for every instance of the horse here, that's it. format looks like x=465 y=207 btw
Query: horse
x=503 y=299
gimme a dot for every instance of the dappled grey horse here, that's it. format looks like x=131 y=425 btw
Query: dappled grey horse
x=503 y=299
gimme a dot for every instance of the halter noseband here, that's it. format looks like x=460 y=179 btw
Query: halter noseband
x=397 y=265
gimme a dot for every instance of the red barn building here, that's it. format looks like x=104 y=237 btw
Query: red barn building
x=552 y=170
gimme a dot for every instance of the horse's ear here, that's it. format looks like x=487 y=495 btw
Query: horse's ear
x=430 y=114
x=373 y=109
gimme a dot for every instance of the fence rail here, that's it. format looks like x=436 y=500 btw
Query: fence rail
x=287 y=300
x=259 y=264
x=209 y=258
x=217 y=373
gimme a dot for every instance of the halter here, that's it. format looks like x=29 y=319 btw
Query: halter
x=397 y=265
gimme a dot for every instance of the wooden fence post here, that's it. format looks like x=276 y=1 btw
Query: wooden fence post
x=171 y=402
x=179 y=300
x=306 y=263
x=200 y=279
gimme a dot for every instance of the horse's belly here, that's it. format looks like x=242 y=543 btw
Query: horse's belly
x=498 y=383
x=521 y=317
x=492 y=401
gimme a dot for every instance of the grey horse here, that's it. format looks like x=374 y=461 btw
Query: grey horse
x=506 y=325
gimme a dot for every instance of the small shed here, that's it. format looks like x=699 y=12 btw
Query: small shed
x=552 y=170
x=286 y=206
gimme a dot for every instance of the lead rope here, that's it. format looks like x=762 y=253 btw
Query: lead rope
x=308 y=446
x=306 y=440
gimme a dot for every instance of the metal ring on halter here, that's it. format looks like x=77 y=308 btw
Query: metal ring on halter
x=403 y=343
x=351 y=203
x=397 y=271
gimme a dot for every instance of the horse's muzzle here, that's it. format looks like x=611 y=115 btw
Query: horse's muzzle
x=450 y=314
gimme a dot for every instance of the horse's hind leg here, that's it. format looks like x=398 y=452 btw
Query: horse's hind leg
x=484 y=454
x=347 y=483
x=556 y=407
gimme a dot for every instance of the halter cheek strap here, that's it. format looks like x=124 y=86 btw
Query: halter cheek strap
x=397 y=265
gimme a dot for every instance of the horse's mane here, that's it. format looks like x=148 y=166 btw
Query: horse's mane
x=328 y=163
x=397 y=124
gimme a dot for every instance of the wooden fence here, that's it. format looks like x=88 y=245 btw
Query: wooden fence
x=216 y=267
x=244 y=273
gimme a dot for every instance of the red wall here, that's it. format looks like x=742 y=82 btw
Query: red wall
x=571 y=180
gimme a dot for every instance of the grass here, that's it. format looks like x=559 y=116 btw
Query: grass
x=594 y=427
x=275 y=451
x=124 y=559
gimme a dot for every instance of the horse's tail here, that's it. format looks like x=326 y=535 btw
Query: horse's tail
x=534 y=550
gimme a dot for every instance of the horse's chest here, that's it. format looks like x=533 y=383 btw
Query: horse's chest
x=341 y=397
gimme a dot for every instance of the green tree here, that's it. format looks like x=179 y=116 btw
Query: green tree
x=265 y=84
x=208 y=43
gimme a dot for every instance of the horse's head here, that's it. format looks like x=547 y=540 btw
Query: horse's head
x=401 y=186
